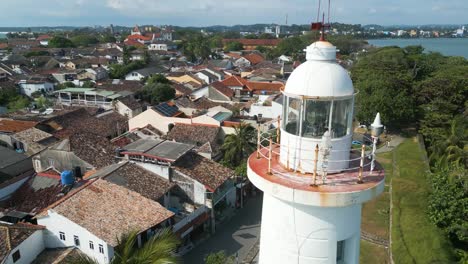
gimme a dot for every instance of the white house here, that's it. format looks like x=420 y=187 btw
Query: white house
x=162 y=45
x=35 y=84
x=159 y=117
x=23 y=243
x=94 y=227
x=266 y=107
x=139 y=74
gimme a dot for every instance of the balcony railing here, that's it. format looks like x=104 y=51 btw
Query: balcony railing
x=269 y=146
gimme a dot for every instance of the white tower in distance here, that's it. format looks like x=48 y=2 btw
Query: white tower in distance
x=313 y=184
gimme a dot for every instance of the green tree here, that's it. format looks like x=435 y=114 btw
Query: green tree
x=84 y=40
x=384 y=83
x=219 y=258
x=42 y=102
x=234 y=46
x=157 y=93
x=452 y=148
x=126 y=54
x=158 y=78
x=197 y=48
x=88 y=84
x=107 y=38
x=60 y=42
x=159 y=249
x=448 y=203
x=216 y=42
x=238 y=146
x=18 y=103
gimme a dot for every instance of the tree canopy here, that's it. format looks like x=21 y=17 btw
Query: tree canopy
x=60 y=42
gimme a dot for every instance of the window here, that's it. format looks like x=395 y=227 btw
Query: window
x=91 y=245
x=62 y=236
x=291 y=113
x=51 y=162
x=340 y=251
x=315 y=119
x=16 y=256
x=342 y=118
x=101 y=249
x=77 y=240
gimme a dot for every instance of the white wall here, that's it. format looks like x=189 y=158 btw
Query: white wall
x=28 y=249
x=272 y=111
x=161 y=123
x=162 y=171
x=29 y=88
x=199 y=192
x=134 y=76
x=200 y=93
x=308 y=234
x=56 y=223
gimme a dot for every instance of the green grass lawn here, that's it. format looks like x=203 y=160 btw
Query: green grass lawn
x=372 y=254
x=375 y=213
x=415 y=239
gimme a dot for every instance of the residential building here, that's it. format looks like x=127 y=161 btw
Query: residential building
x=35 y=84
x=92 y=97
x=20 y=243
x=79 y=221
x=140 y=74
x=15 y=169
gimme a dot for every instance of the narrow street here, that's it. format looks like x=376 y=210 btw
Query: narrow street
x=237 y=235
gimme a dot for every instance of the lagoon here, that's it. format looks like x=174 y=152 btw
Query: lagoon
x=446 y=46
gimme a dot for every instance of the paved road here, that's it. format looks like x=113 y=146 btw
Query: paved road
x=237 y=235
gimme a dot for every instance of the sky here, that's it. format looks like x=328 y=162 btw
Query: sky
x=222 y=12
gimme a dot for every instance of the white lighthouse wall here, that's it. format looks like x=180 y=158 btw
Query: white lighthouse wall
x=296 y=233
x=301 y=153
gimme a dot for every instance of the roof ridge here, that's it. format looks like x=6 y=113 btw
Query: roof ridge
x=8 y=238
x=66 y=197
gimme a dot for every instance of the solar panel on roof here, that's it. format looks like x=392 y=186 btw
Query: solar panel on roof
x=166 y=109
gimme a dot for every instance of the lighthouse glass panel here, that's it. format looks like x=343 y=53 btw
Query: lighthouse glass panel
x=292 y=109
x=315 y=118
x=342 y=118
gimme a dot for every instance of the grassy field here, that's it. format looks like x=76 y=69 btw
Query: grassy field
x=414 y=238
x=375 y=213
x=372 y=254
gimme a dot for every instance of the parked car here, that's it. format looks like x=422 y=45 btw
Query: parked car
x=356 y=142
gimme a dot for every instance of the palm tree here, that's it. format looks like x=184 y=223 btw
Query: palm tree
x=453 y=149
x=240 y=145
x=159 y=249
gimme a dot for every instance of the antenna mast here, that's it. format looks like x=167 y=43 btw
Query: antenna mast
x=321 y=26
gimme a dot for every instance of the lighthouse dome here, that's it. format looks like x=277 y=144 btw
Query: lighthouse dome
x=320 y=75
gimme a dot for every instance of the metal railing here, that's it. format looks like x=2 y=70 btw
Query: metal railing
x=269 y=149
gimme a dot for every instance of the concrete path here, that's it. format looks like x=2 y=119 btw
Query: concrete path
x=236 y=236
x=395 y=140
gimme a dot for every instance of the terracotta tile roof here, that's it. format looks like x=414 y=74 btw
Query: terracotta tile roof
x=108 y=210
x=43 y=37
x=134 y=43
x=94 y=149
x=233 y=55
x=207 y=172
x=254 y=58
x=254 y=42
x=15 y=126
x=195 y=134
x=220 y=87
x=234 y=80
x=3 y=45
x=140 y=180
x=12 y=236
x=258 y=87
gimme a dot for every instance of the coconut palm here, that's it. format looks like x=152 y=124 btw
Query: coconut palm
x=453 y=149
x=238 y=146
x=159 y=249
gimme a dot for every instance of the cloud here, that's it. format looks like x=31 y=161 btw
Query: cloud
x=372 y=11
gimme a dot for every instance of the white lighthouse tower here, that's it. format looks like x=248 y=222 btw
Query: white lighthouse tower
x=313 y=184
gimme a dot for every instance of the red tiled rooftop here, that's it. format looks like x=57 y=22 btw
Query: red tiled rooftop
x=14 y=126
